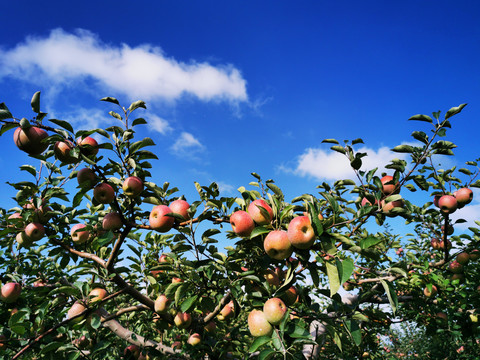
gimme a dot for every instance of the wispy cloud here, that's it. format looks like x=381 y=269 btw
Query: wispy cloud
x=186 y=143
x=144 y=71
x=159 y=124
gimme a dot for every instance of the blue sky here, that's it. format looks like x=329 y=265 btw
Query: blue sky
x=235 y=87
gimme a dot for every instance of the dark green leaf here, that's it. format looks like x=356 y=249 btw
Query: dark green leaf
x=136 y=105
x=333 y=277
x=189 y=303
x=110 y=99
x=369 y=242
x=139 y=121
x=330 y=141
x=63 y=124
x=421 y=117
x=262 y=340
x=454 y=111
x=403 y=149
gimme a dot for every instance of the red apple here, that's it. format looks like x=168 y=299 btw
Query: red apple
x=242 y=223
x=463 y=258
x=159 y=220
x=290 y=297
x=435 y=243
x=459 y=277
x=79 y=236
x=62 y=151
x=132 y=352
x=389 y=187
x=104 y=193
x=76 y=309
x=34 y=231
x=258 y=324
x=447 y=204
x=227 y=312
x=161 y=304
x=474 y=254
x=455 y=267
x=132 y=186
x=387 y=207
x=176 y=280
x=182 y=320
x=88 y=146
x=260 y=212
x=277 y=245
x=23 y=240
x=300 y=232
x=10 y=292
x=97 y=294
x=432 y=293
x=210 y=327
x=274 y=310
x=435 y=200
x=464 y=196
x=180 y=207
x=194 y=339
x=86 y=178
x=30 y=140
x=112 y=221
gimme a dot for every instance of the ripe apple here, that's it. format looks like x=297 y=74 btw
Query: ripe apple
x=79 y=236
x=300 y=232
x=441 y=316
x=388 y=186
x=132 y=352
x=365 y=202
x=227 y=312
x=432 y=293
x=112 y=221
x=387 y=207
x=30 y=140
x=447 y=204
x=97 y=294
x=34 y=231
x=159 y=220
x=435 y=243
x=464 y=196
x=88 y=146
x=450 y=229
x=161 y=304
x=260 y=212
x=258 y=324
x=10 y=292
x=242 y=223
x=177 y=345
x=180 y=207
x=62 y=151
x=274 y=310
x=280 y=273
x=442 y=244
x=277 y=245
x=474 y=254
x=211 y=327
x=132 y=186
x=86 y=178
x=463 y=258
x=459 y=277
x=194 y=339
x=182 y=320
x=455 y=267
x=271 y=277
x=77 y=308
x=23 y=240
x=104 y=193
x=290 y=296
x=176 y=280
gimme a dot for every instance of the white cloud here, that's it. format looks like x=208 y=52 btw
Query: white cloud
x=143 y=71
x=186 y=142
x=158 y=124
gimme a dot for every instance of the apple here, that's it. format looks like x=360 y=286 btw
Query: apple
x=161 y=304
x=365 y=202
x=430 y=293
x=97 y=294
x=227 y=312
x=258 y=324
x=459 y=277
x=194 y=339
x=88 y=146
x=62 y=151
x=34 y=231
x=176 y=280
x=474 y=254
x=242 y=223
x=86 y=178
x=450 y=229
x=3 y=342
x=15 y=217
x=132 y=352
x=290 y=296
x=277 y=245
x=182 y=320
x=260 y=212
x=435 y=243
x=280 y=273
x=177 y=345
x=30 y=140
x=348 y=286
x=442 y=244
x=447 y=204
x=39 y=283
x=388 y=186
x=10 y=292
x=387 y=207
x=441 y=316
x=112 y=221
x=76 y=309
x=180 y=207
x=79 y=236
x=271 y=277
x=464 y=196
x=210 y=327
x=132 y=186
x=104 y=193
x=300 y=232
x=159 y=220
x=274 y=310
x=455 y=267
x=23 y=240
x=463 y=258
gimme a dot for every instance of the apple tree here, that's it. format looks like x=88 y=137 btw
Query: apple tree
x=99 y=261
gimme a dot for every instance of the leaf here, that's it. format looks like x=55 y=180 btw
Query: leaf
x=347 y=269
x=64 y=124
x=420 y=117
x=339 y=149
x=4 y=112
x=110 y=99
x=29 y=168
x=139 y=121
x=6 y=127
x=188 y=304
x=275 y=189
x=136 y=105
x=403 y=149
x=262 y=340
x=36 y=102
x=454 y=111
x=330 y=141
x=179 y=294
x=115 y=115
x=369 y=242
x=392 y=296
x=333 y=278
x=95 y=321
x=140 y=144
x=259 y=230
x=266 y=354
x=357 y=141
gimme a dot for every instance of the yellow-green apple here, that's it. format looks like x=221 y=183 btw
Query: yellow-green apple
x=277 y=245
x=290 y=296
x=132 y=186
x=132 y=352
x=104 y=193
x=463 y=258
x=79 y=236
x=112 y=221
x=97 y=294
x=86 y=178
x=260 y=212
x=474 y=254
x=271 y=277
x=88 y=146
x=242 y=223
x=182 y=320
x=10 y=292
x=30 y=140
x=62 y=151
x=161 y=304
x=274 y=310
x=159 y=220
x=76 y=309
x=447 y=204
x=194 y=339
x=34 y=231
x=388 y=186
x=258 y=324
x=300 y=232
x=430 y=293
x=180 y=207
x=227 y=312
x=23 y=240
x=464 y=196
x=455 y=267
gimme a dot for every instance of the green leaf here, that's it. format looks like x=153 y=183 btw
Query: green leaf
x=110 y=99
x=36 y=102
x=139 y=121
x=259 y=230
x=333 y=278
x=171 y=290
x=64 y=124
x=115 y=115
x=29 y=168
x=275 y=189
x=136 y=105
x=259 y=341
x=357 y=141
x=421 y=117
x=4 y=112
x=392 y=296
x=140 y=144
x=454 y=111
x=6 y=127
x=369 y=242
x=403 y=149
x=180 y=292
x=95 y=321
x=266 y=354
x=339 y=149
x=330 y=141
x=347 y=269
x=188 y=304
